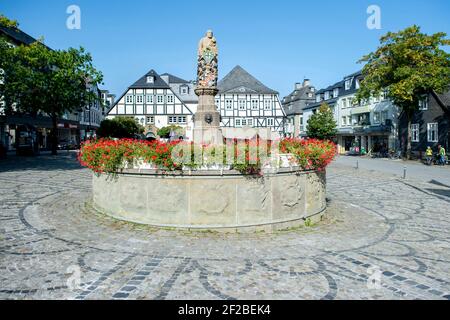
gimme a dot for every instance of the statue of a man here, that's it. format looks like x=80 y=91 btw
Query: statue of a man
x=207 y=61
x=209 y=41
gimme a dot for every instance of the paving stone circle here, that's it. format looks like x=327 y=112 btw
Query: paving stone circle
x=383 y=238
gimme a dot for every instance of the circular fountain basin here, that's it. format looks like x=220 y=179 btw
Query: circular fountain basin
x=213 y=200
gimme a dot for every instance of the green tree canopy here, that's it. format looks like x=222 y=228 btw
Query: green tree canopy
x=407 y=65
x=164 y=132
x=321 y=125
x=37 y=79
x=120 y=127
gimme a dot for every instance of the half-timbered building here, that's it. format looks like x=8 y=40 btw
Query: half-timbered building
x=157 y=101
x=154 y=104
x=243 y=102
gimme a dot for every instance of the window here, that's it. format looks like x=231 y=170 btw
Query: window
x=150 y=120
x=229 y=104
x=301 y=123
x=129 y=99
x=255 y=104
x=150 y=79
x=376 y=117
x=270 y=122
x=159 y=99
x=348 y=84
x=267 y=104
x=139 y=99
x=335 y=92
x=415 y=132
x=170 y=98
x=384 y=116
x=250 y=122
x=318 y=97
x=423 y=104
x=432 y=132
x=357 y=84
x=182 y=119
x=242 y=104
x=344 y=103
x=344 y=121
x=237 y=122
x=244 y=122
x=172 y=119
x=384 y=95
x=149 y=98
x=184 y=90
x=327 y=95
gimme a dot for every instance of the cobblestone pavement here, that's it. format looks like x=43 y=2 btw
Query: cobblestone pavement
x=383 y=238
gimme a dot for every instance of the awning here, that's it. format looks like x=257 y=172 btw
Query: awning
x=359 y=110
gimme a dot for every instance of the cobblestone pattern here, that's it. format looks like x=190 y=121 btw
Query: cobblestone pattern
x=383 y=238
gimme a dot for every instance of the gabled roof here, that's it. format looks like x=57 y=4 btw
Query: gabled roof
x=174 y=79
x=240 y=81
x=142 y=83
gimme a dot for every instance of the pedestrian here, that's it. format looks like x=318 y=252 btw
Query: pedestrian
x=442 y=159
x=429 y=155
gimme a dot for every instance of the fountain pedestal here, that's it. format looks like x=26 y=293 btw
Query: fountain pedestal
x=207 y=118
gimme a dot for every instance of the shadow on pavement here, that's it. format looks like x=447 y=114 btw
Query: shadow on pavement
x=63 y=161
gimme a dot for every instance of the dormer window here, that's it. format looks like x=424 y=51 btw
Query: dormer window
x=184 y=90
x=348 y=83
x=335 y=92
x=327 y=95
x=318 y=98
x=150 y=79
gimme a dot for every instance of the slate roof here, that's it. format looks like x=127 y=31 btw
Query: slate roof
x=174 y=79
x=158 y=83
x=297 y=100
x=17 y=35
x=342 y=92
x=240 y=81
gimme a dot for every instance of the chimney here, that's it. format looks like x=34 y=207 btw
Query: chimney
x=306 y=83
x=298 y=85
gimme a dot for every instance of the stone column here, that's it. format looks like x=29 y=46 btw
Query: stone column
x=207 y=118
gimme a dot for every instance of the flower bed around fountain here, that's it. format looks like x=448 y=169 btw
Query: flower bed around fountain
x=162 y=184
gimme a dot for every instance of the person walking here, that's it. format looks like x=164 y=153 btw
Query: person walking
x=441 y=151
x=429 y=155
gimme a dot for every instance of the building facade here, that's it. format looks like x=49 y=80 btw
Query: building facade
x=244 y=102
x=156 y=101
x=155 y=104
x=430 y=125
x=293 y=105
x=371 y=125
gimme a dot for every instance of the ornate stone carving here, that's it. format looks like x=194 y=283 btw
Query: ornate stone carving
x=207 y=69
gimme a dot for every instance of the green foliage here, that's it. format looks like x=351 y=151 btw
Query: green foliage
x=164 y=132
x=37 y=79
x=5 y=22
x=120 y=127
x=408 y=64
x=322 y=125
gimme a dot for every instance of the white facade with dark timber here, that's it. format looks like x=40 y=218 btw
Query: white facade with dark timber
x=154 y=104
x=244 y=102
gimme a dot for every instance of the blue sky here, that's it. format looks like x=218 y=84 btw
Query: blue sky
x=279 y=42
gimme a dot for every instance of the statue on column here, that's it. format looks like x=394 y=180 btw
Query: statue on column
x=207 y=70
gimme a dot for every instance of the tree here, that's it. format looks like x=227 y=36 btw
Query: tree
x=321 y=125
x=164 y=132
x=37 y=80
x=407 y=65
x=120 y=127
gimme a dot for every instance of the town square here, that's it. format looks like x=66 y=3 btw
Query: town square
x=197 y=171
